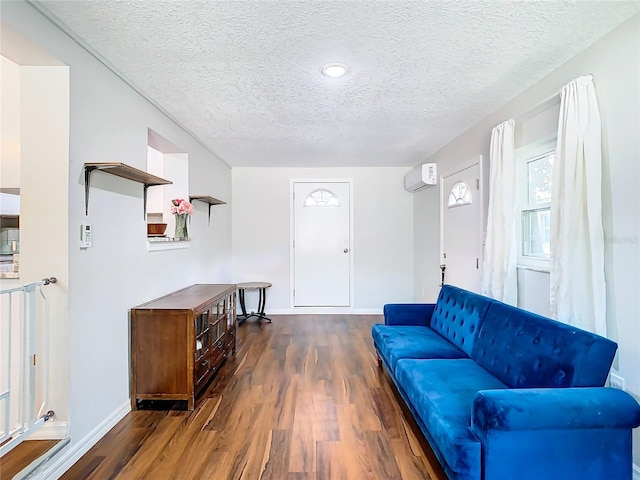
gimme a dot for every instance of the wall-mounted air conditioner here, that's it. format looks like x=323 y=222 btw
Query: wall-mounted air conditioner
x=421 y=176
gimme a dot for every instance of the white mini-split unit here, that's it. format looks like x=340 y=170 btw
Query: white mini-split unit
x=420 y=177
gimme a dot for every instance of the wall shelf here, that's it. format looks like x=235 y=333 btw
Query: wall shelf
x=160 y=245
x=124 y=171
x=211 y=201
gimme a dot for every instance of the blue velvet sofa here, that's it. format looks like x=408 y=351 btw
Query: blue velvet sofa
x=503 y=394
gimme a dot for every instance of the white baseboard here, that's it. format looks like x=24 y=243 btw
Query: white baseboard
x=636 y=472
x=368 y=311
x=51 y=431
x=75 y=451
x=324 y=311
x=277 y=311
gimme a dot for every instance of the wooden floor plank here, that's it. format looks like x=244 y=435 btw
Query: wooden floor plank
x=302 y=399
x=22 y=455
x=277 y=465
x=169 y=464
x=411 y=467
x=379 y=447
x=303 y=448
x=358 y=457
x=285 y=397
x=152 y=450
x=331 y=464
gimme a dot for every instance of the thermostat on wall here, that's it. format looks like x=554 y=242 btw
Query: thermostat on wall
x=85 y=235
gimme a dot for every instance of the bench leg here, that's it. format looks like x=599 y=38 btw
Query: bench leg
x=379 y=360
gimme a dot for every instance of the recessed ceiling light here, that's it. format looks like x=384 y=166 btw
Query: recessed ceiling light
x=334 y=70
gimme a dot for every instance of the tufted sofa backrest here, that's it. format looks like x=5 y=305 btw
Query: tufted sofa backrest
x=458 y=315
x=525 y=350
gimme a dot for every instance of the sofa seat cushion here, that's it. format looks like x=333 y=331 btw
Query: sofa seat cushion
x=395 y=342
x=441 y=393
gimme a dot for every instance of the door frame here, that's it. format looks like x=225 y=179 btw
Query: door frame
x=292 y=307
x=477 y=160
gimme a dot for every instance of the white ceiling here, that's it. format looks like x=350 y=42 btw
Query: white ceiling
x=244 y=76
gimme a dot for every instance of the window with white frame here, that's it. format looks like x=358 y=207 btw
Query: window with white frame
x=533 y=192
x=459 y=195
x=321 y=198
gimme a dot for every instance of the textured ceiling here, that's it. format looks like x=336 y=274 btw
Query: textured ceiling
x=244 y=76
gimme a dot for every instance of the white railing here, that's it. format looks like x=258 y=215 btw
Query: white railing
x=24 y=356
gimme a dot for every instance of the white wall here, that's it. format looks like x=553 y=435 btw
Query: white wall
x=615 y=63
x=9 y=124
x=382 y=243
x=155 y=197
x=533 y=291
x=109 y=123
x=176 y=167
x=44 y=227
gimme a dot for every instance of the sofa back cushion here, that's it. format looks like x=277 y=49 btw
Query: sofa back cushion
x=458 y=315
x=525 y=350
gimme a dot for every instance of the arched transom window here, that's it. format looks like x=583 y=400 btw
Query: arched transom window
x=321 y=198
x=459 y=195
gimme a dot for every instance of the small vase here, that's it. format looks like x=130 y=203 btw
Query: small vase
x=181 y=227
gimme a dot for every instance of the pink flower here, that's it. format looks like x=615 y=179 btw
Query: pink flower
x=181 y=207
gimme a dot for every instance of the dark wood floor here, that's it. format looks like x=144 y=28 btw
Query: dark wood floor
x=22 y=455
x=302 y=399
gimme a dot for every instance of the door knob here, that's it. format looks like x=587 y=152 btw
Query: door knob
x=346 y=250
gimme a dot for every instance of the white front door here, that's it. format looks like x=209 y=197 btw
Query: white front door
x=321 y=244
x=461 y=228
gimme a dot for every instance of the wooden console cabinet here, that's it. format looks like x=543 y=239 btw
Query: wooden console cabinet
x=179 y=341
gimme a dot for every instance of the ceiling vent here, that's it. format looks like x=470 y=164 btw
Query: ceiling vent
x=420 y=177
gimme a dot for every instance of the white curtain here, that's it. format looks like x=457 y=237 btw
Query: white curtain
x=499 y=275
x=578 y=292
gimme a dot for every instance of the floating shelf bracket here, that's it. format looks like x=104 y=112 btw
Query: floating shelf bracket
x=211 y=201
x=124 y=171
x=88 y=170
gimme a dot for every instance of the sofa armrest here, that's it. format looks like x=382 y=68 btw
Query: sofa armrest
x=553 y=409
x=418 y=314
